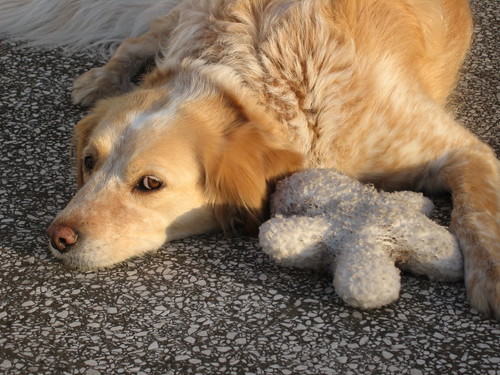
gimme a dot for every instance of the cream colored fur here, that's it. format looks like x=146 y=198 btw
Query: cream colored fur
x=243 y=90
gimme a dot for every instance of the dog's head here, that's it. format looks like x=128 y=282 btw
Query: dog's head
x=154 y=167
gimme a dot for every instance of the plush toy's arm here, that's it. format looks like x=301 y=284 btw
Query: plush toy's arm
x=411 y=201
x=297 y=241
x=364 y=275
x=427 y=248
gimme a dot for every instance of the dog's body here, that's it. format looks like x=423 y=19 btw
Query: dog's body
x=246 y=91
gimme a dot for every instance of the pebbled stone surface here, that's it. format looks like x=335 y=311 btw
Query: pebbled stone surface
x=208 y=304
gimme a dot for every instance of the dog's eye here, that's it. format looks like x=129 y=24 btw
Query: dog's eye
x=148 y=183
x=89 y=163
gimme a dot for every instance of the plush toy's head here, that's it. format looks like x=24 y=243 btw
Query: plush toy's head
x=322 y=219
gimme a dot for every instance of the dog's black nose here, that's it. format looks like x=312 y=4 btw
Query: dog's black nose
x=62 y=237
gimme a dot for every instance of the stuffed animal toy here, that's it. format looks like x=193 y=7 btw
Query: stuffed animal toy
x=324 y=220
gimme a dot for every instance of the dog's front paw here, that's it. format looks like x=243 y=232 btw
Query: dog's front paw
x=483 y=287
x=99 y=83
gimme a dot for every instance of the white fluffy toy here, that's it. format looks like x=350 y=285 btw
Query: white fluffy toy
x=324 y=220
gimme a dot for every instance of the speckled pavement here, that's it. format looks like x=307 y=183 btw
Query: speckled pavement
x=208 y=304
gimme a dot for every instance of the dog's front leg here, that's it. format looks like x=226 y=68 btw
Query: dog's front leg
x=439 y=154
x=114 y=78
x=473 y=175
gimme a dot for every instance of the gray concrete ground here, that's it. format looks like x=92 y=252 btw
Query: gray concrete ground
x=209 y=304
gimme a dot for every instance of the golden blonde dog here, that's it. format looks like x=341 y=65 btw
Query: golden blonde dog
x=247 y=91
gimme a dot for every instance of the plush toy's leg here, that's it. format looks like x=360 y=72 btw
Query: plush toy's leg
x=364 y=274
x=427 y=248
x=297 y=241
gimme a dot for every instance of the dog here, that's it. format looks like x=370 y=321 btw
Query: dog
x=244 y=92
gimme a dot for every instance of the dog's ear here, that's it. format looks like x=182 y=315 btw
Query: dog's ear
x=239 y=179
x=81 y=134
